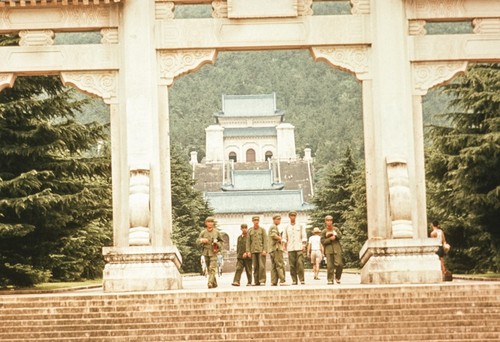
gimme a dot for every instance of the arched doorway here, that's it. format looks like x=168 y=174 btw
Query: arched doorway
x=268 y=155
x=250 y=155
x=233 y=157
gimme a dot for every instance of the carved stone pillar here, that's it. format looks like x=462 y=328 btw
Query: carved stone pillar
x=399 y=199
x=144 y=259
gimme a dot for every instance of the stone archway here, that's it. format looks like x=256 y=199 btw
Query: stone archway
x=383 y=43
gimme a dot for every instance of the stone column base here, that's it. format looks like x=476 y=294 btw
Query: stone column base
x=400 y=261
x=141 y=268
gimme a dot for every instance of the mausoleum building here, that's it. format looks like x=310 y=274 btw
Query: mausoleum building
x=251 y=167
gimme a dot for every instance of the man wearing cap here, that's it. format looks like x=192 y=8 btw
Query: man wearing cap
x=211 y=243
x=315 y=250
x=244 y=259
x=276 y=251
x=330 y=239
x=295 y=238
x=257 y=247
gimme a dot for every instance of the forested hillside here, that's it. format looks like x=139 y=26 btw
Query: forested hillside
x=322 y=103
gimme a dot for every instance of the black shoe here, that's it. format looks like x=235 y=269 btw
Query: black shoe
x=294 y=283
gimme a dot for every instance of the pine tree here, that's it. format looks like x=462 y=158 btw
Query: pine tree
x=189 y=211
x=55 y=198
x=463 y=175
x=355 y=226
x=335 y=197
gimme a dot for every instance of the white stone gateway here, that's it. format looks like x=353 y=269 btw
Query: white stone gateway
x=144 y=48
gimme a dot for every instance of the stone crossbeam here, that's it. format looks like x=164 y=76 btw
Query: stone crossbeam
x=477 y=48
x=248 y=34
x=45 y=60
x=62 y=18
x=444 y=10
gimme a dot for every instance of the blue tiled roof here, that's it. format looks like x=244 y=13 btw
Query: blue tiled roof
x=250 y=131
x=257 y=201
x=252 y=180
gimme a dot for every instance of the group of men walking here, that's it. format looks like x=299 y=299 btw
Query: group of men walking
x=255 y=243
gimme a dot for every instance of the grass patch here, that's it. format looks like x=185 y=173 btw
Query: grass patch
x=489 y=275
x=65 y=285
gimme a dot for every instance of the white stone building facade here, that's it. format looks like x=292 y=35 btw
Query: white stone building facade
x=249 y=129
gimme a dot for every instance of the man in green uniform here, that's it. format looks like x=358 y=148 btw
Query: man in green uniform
x=257 y=247
x=211 y=243
x=330 y=239
x=244 y=260
x=276 y=252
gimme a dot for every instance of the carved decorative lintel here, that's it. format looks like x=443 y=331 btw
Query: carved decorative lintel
x=87 y=15
x=360 y=7
x=36 y=38
x=98 y=83
x=109 y=36
x=486 y=26
x=304 y=8
x=435 y=8
x=7 y=80
x=173 y=64
x=430 y=74
x=164 y=9
x=243 y=9
x=417 y=28
x=219 y=9
x=354 y=59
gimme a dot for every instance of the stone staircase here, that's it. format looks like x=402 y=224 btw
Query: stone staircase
x=441 y=312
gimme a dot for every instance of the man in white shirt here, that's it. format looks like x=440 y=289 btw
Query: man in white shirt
x=295 y=239
x=315 y=250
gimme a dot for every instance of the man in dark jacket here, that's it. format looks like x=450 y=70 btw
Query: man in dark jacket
x=244 y=259
x=330 y=239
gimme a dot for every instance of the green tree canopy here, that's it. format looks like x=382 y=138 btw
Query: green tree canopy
x=189 y=210
x=333 y=192
x=463 y=164
x=355 y=228
x=340 y=193
x=54 y=197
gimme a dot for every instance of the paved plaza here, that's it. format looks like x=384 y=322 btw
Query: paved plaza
x=198 y=283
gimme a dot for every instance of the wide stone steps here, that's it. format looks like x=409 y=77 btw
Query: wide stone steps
x=406 y=313
x=449 y=321
x=271 y=332
x=425 y=312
